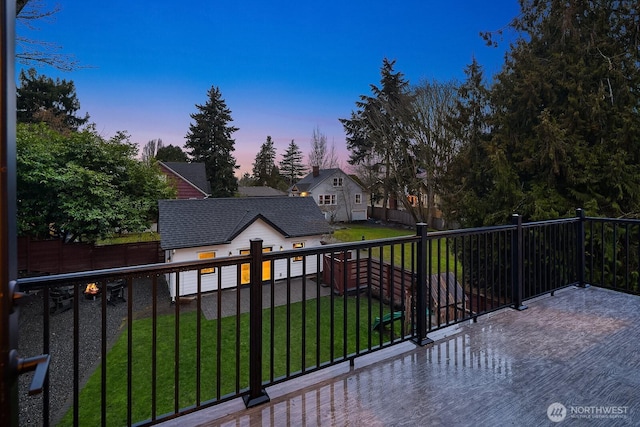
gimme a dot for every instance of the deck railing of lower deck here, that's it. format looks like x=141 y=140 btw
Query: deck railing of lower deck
x=132 y=357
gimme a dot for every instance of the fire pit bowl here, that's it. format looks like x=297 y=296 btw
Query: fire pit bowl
x=91 y=291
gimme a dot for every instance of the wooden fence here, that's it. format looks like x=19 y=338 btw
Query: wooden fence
x=394 y=285
x=37 y=257
x=403 y=217
x=367 y=273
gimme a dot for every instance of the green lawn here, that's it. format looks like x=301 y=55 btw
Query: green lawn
x=355 y=232
x=439 y=256
x=129 y=238
x=233 y=353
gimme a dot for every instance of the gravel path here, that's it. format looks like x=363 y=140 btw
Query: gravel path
x=61 y=344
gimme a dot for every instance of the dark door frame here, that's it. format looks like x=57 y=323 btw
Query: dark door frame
x=8 y=263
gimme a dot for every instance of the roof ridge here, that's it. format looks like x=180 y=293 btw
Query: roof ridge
x=238 y=224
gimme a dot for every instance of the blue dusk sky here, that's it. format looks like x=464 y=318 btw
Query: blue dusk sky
x=283 y=67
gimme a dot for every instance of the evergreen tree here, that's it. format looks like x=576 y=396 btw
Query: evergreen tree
x=567 y=118
x=380 y=128
x=42 y=99
x=246 y=180
x=472 y=185
x=291 y=166
x=209 y=141
x=276 y=180
x=264 y=163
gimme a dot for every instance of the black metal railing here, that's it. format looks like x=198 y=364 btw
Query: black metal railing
x=611 y=254
x=129 y=352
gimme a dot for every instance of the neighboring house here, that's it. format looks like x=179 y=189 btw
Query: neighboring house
x=259 y=191
x=189 y=179
x=339 y=196
x=213 y=228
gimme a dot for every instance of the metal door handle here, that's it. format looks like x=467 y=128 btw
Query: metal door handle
x=39 y=364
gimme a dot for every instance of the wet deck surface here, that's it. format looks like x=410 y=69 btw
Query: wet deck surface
x=579 y=348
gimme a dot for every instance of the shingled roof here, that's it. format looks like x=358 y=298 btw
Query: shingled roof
x=194 y=223
x=259 y=191
x=310 y=181
x=194 y=173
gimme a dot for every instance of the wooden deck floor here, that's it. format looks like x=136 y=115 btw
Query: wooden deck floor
x=579 y=348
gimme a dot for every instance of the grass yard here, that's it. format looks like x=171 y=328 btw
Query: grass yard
x=355 y=232
x=439 y=256
x=352 y=319
x=129 y=238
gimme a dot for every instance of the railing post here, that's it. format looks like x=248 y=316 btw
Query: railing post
x=420 y=303
x=517 y=266
x=257 y=394
x=580 y=249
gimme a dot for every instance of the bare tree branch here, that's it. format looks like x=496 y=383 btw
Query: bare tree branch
x=32 y=53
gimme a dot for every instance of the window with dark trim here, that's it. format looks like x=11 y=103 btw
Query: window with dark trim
x=207 y=255
x=298 y=245
x=327 y=199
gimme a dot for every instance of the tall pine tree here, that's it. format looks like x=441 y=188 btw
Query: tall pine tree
x=42 y=99
x=379 y=128
x=481 y=187
x=209 y=141
x=291 y=166
x=568 y=108
x=264 y=163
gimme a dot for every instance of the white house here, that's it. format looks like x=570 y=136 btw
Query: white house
x=338 y=195
x=212 y=228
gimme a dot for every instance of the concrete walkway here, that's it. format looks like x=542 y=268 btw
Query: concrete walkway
x=310 y=289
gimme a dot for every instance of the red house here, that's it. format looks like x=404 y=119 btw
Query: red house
x=189 y=179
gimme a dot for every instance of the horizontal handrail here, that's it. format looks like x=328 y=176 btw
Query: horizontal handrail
x=614 y=220
x=31 y=283
x=549 y=222
x=469 y=231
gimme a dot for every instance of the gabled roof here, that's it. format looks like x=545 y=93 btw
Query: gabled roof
x=309 y=182
x=193 y=173
x=259 y=191
x=205 y=222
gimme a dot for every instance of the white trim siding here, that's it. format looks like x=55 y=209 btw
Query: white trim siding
x=257 y=230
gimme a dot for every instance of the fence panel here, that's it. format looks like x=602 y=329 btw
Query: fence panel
x=36 y=257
